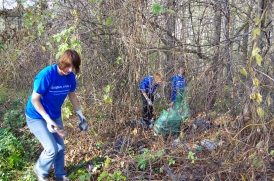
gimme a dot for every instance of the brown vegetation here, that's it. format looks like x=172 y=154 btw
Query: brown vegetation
x=226 y=48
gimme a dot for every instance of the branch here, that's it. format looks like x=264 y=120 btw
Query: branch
x=264 y=74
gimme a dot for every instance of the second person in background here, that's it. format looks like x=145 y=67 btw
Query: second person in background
x=178 y=82
x=148 y=87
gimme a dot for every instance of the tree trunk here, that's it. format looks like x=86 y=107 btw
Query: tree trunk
x=171 y=43
x=216 y=43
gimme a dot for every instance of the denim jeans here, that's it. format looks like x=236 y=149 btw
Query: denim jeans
x=54 y=148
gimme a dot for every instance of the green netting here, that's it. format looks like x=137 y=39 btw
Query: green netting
x=169 y=121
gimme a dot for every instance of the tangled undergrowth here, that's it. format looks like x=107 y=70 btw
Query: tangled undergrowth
x=138 y=154
x=208 y=147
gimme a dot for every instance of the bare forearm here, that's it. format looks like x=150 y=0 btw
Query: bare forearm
x=74 y=100
x=144 y=94
x=37 y=104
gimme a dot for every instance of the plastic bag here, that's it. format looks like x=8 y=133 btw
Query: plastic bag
x=169 y=121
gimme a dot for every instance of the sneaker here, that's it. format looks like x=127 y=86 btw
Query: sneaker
x=65 y=178
x=40 y=178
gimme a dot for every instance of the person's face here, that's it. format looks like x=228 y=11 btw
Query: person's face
x=181 y=71
x=158 y=82
x=67 y=70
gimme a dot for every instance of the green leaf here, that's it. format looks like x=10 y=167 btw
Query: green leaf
x=49 y=44
x=171 y=11
x=107 y=163
x=102 y=176
x=63 y=47
x=108 y=88
x=74 y=42
x=171 y=161
x=40 y=28
x=108 y=21
x=118 y=60
x=259 y=59
x=27 y=15
x=93 y=132
x=255 y=51
x=44 y=48
x=257 y=21
x=58 y=55
x=259 y=98
x=256 y=82
x=157 y=9
x=252 y=96
x=260 y=112
x=66 y=112
x=56 y=38
x=18 y=52
x=28 y=23
x=243 y=72
x=256 y=32
x=109 y=100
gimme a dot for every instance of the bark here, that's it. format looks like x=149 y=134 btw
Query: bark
x=171 y=44
x=216 y=55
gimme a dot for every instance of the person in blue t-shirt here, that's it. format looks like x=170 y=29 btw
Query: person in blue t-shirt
x=43 y=112
x=147 y=88
x=178 y=82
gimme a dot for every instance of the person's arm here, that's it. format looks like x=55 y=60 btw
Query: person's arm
x=37 y=104
x=74 y=100
x=75 y=103
x=144 y=93
x=146 y=97
x=40 y=109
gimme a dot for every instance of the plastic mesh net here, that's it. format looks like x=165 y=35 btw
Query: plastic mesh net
x=170 y=120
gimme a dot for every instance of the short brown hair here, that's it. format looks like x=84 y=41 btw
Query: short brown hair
x=157 y=77
x=68 y=58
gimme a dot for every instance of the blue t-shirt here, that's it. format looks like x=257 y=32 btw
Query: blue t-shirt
x=146 y=85
x=178 y=82
x=54 y=89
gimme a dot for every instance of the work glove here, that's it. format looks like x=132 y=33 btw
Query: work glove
x=83 y=121
x=149 y=102
x=158 y=95
x=50 y=123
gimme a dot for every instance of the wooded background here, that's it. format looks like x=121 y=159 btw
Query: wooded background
x=225 y=46
x=123 y=41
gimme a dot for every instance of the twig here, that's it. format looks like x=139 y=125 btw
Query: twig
x=265 y=75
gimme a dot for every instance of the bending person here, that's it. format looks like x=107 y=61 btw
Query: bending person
x=43 y=112
x=147 y=88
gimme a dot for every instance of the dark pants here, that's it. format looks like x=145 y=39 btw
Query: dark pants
x=147 y=112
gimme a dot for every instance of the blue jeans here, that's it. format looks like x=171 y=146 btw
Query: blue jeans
x=54 y=148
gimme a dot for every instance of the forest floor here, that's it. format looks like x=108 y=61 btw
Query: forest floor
x=206 y=148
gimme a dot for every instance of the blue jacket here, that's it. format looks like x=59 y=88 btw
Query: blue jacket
x=178 y=82
x=146 y=84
